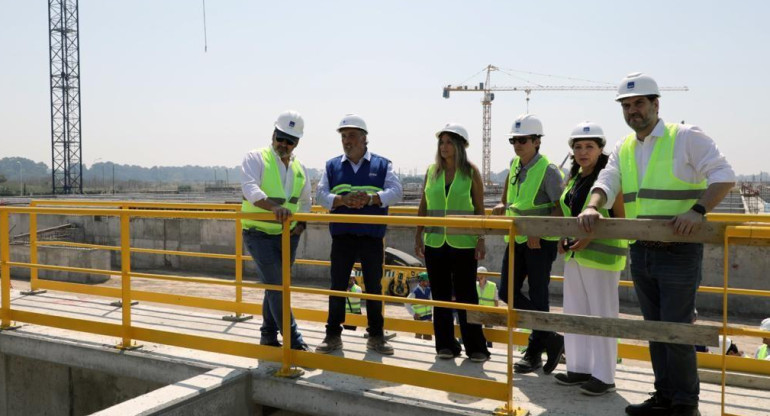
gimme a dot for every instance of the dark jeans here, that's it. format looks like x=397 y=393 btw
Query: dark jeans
x=453 y=271
x=266 y=251
x=346 y=249
x=666 y=280
x=533 y=265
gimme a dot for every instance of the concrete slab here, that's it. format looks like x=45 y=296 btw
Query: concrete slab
x=320 y=392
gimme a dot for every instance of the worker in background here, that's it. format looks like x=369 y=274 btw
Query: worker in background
x=358 y=182
x=421 y=312
x=452 y=186
x=591 y=269
x=730 y=347
x=762 y=352
x=533 y=188
x=275 y=181
x=352 y=305
x=666 y=171
x=486 y=290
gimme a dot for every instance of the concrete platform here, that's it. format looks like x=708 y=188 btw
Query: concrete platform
x=322 y=392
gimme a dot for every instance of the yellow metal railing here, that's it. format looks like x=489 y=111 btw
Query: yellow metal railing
x=128 y=333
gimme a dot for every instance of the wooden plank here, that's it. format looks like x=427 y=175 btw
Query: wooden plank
x=651 y=230
x=606 y=327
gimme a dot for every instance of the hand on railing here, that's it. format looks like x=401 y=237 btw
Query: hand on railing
x=687 y=223
x=281 y=214
x=588 y=218
x=499 y=209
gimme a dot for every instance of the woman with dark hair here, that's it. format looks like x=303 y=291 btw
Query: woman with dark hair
x=591 y=269
x=453 y=186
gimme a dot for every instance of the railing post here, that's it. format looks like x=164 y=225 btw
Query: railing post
x=286 y=369
x=238 y=317
x=726 y=269
x=33 y=271
x=5 y=271
x=125 y=279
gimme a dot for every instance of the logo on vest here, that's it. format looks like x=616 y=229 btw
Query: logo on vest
x=372 y=174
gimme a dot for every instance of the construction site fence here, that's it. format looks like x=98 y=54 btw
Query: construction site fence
x=726 y=228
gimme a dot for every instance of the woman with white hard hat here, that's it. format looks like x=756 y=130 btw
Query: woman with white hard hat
x=532 y=188
x=591 y=269
x=452 y=186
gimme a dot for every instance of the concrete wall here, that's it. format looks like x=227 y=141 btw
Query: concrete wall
x=63 y=256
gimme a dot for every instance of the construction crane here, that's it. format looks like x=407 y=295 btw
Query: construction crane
x=488 y=96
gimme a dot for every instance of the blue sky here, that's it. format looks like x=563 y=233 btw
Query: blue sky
x=151 y=96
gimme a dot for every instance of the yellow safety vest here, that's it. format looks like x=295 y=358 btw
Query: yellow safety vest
x=661 y=194
x=440 y=204
x=762 y=352
x=521 y=196
x=486 y=297
x=601 y=253
x=272 y=186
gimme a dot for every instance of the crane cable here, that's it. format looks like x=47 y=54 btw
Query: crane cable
x=205 y=35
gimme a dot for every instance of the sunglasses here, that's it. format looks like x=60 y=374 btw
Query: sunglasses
x=520 y=139
x=280 y=139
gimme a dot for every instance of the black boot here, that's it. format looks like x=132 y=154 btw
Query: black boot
x=532 y=359
x=554 y=348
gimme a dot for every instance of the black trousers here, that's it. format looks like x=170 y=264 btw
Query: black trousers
x=346 y=250
x=533 y=265
x=453 y=272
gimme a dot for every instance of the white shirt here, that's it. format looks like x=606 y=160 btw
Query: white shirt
x=390 y=194
x=253 y=168
x=409 y=306
x=696 y=157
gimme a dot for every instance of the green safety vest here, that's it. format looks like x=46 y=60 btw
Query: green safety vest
x=486 y=297
x=272 y=186
x=521 y=197
x=353 y=305
x=661 y=194
x=440 y=204
x=601 y=253
x=761 y=353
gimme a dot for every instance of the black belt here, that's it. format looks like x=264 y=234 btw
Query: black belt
x=659 y=244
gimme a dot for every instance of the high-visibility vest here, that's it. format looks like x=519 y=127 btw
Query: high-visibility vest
x=761 y=353
x=661 y=194
x=486 y=296
x=422 y=310
x=272 y=186
x=353 y=305
x=440 y=204
x=521 y=196
x=601 y=253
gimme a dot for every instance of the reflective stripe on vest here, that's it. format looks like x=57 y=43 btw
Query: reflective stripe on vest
x=486 y=297
x=521 y=196
x=603 y=254
x=661 y=195
x=440 y=204
x=762 y=352
x=422 y=310
x=272 y=186
x=353 y=305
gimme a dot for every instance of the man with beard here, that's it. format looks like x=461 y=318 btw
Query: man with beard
x=275 y=181
x=673 y=172
x=357 y=182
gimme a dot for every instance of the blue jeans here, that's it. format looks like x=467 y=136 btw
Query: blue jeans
x=266 y=251
x=666 y=280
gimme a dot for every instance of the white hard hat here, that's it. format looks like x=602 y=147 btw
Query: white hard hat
x=291 y=123
x=526 y=125
x=636 y=84
x=765 y=325
x=456 y=129
x=352 y=121
x=587 y=130
x=481 y=269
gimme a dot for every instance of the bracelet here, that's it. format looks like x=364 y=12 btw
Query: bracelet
x=592 y=206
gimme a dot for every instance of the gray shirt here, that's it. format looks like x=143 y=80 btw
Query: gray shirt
x=551 y=188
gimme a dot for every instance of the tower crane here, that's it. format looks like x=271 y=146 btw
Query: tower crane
x=488 y=96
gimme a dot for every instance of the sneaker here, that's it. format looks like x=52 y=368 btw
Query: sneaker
x=685 y=410
x=329 y=344
x=479 y=357
x=446 y=354
x=378 y=344
x=596 y=387
x=528 y=364
x=656 y=405
x=571 y=379
x=554 y=348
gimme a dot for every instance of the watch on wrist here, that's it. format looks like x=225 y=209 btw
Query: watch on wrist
x=700 y=209
x=371 y=200
x=592 y=206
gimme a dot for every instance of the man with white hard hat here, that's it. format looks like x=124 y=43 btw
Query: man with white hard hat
x=274 y=181
x=762 y=352
x=673 y=172
x=533 y=188
x=358 y=182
